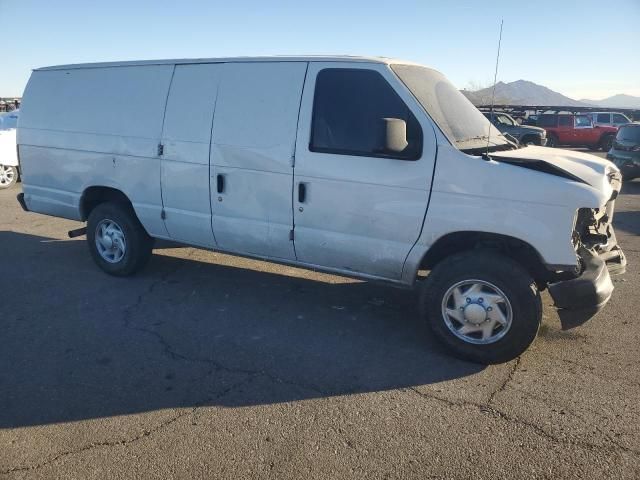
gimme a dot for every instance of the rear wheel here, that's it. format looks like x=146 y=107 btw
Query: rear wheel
x=8 y=176
x=485 y=307
x=117 y=241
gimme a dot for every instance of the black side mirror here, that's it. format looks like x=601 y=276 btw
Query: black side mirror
x=395 y=135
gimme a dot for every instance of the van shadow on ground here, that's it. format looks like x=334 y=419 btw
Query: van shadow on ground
x=77 y=344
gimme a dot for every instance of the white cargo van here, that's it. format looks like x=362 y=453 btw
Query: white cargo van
x=373 y=168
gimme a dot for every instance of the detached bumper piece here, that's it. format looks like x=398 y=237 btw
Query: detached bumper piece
x=20 y=198
x=579 y=299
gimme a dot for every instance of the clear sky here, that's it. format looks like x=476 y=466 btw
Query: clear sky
x=587 y=48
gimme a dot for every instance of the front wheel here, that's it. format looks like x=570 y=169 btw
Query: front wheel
x=117 y=241
x=484 y=306
x=8 y=176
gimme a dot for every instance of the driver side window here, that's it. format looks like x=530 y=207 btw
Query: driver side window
x=351 y=108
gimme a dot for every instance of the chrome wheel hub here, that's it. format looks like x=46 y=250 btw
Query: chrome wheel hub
x=474 y=313
x=110 y=241
x=7 y=174
x=477 y=311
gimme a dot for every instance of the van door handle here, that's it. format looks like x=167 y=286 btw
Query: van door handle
x=302 y=192
x=220 y=183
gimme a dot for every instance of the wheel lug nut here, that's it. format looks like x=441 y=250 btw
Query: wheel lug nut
x=468 y=300
x=489 y=309
x=480 y=300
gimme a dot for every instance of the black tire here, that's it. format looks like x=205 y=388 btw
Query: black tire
x=8 y=176
x=139 y=245
x=552 y=141
x=510 y=278
x=606 y=143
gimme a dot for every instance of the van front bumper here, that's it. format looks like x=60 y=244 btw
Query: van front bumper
x=581 y=298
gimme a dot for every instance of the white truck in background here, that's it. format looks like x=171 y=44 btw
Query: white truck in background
x=9 y=168
x=368 y=167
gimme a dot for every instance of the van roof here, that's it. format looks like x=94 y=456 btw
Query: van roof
x=308 y=58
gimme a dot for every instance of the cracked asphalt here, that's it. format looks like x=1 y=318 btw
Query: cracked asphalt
x=210 y=366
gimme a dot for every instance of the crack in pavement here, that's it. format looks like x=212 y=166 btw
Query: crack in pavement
x=169 y=351
x=91 y=446
x=507 y=380
x=622 y=380
x=173 y=354
x=126 y=442
x=497 y=413
x=563 y=407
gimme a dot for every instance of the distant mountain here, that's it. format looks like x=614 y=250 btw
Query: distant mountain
x=617 y=101
x=522 y=92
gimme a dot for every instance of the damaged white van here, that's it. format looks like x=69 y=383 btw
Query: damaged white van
x=372 y=168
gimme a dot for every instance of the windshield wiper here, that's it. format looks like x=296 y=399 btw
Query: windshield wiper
x=479 y=137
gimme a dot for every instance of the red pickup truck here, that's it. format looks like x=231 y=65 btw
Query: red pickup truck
x=576 y=130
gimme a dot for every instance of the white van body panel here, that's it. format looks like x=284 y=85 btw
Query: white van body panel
x=361 y=214
x=495 y=197
x=252 y=148
x=186 y=141
x=94 y=127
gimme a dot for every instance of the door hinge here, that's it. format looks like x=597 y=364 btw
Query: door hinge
x=160 y=149
x=291 y=235
x=163 y=214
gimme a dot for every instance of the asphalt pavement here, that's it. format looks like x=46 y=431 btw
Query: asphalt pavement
x=211 y=366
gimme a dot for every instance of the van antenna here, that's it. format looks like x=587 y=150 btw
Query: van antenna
x=493 y=91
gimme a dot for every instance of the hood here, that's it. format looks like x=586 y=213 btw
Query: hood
x=588 y=168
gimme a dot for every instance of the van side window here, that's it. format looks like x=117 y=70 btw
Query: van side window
x=603 y=118
x=349 y=111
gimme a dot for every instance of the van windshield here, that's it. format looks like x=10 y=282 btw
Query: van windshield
x=457 y=117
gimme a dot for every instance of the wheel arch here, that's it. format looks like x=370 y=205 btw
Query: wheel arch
x=96 y=194
x=518 y=250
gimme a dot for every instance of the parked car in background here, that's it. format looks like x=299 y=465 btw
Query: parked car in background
x=576 y=131
x=611 y=119
x=9 y=120
x=9 y=172
x=526 y=135
x=625 y=152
